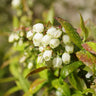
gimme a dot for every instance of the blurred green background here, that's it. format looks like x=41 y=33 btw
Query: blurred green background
x=67 y=9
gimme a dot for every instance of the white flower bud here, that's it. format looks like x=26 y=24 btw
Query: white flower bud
x=41 y=48
x=89 y=74
x=15 y=3
x=20 y=42
x=11 y=38
x=66 y=39
x=38 y=27
x=40 y=59
x=66 y=58
x=57 y=62
x=54 y=43
x=57 y=33
x=63 y=29
x=51 y=31
x=58 y=93
x=69 y=48
x=30 y=65
x=16 y=37
x=29 y=35
x=22 y=59
x=46 y=39
x=47 y=55
x=37 y=39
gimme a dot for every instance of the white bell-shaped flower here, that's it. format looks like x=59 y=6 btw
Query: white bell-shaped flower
x=37 y=39
x=57 y=33
x=11 y=38
x=57 y=62
x=51 y=31
x=40 y=59
x=66 y=39
x=29 y=35
x=47 y=55
x=45 y=40
x=15 y=3
x=69 y=48
x=54 y=43
x=39 y=27
x=66 y=58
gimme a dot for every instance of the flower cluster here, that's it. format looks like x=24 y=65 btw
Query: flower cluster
x=54 y=45
x=18 y=36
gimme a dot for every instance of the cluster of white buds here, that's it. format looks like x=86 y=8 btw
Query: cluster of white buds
x=49 y=44
x=16 y=37
x=53 y=44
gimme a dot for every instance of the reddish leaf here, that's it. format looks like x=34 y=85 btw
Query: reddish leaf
x=87 y=58
x=90 y=46
x=36 y=71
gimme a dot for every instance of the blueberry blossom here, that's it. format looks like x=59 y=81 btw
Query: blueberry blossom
x=54 y=43
x=37 y=39
x=69 y=48
x=57 y=62
x=66 y=58
x=45 y=40
x=47 y=55
x=29 y=35
x=39 y=27
x=66 y=39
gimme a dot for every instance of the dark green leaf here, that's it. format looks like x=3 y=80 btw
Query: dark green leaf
x=66 y=70
x=76 y=82
x=74 y=36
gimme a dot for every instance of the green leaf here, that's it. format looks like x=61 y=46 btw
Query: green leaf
x=36 y=71
x=90 y=46
x=63 y=88
x=15 y=22
x=84 y=29
x=89 y=90
x=35 y=86
x=87 y=58
x=68 y=69
x=9 y=79
x=74 y=36
x=43 y=74
x=77 y=82
x=50 y=16
x=12 y=90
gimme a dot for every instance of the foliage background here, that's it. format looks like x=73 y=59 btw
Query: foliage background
x=67 y=9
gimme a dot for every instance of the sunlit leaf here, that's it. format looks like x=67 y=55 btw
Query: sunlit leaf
x=36 y=71
x=87 y=58
x=15 y=22
x=74 y=36
x=90 y=46
x=9 y=79
x=12 y=90
x=63 y=88
x=68 y=69
x=35 y=86
x=83 y=28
